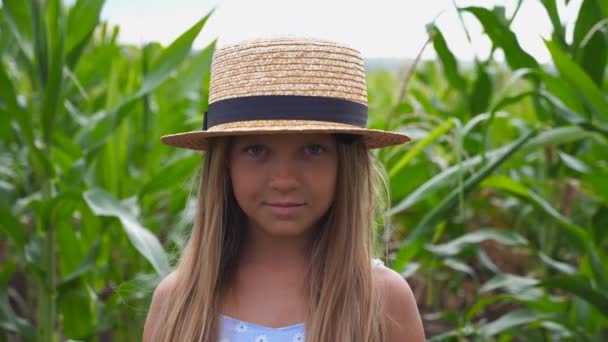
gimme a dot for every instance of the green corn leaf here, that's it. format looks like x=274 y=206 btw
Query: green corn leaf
x=71 y=280
x=511 y=320
x=481 y=93
x=420 y=145
x=448 y=61
x=9 y=321
x=82 y=19
x=576 y=234
x=8 y=96
x=597 y=185
x=509 y=100
x=557 y=265
x=481 y=303
x=431 y=219
x=190 y=78
x=69 y=241
x=18 y=15
x=172 y=175
x=510 y=283
x=55 y=36
x=95 y=135
x=39 y=162
x=593 y=56
x=584 y=85
x=439 y=213
x=146 y=243
x=458 y=266
x=5 y=126
x=501 y=35
x=171 y=58
x=410 y=269
x=78 y=314
x=556 y=136
x=574 y=163
x=579 y=286
x=563 y=91
x=457 y=245
x=40 y=41
x=590 y=48
x=449 y=176
x=579 y=237
x=11 y=226
x=168 y=62
x=479 y=118
x=604 y=7
x=515 y=79
x=558 y=29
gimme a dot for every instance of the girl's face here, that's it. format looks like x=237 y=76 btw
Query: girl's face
x=284 y=183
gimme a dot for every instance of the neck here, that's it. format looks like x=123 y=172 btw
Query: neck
x=278 y=252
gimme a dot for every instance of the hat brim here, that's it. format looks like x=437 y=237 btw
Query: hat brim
x=197 y=140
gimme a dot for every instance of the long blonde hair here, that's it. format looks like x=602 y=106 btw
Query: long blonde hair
x=344 y=302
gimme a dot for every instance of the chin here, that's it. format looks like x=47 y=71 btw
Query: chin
x=286 y=230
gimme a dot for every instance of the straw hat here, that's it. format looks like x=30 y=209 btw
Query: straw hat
x=286 y=85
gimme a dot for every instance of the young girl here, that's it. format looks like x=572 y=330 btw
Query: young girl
x=282 y=247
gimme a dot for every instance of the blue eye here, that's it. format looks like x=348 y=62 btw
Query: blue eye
x=315 y=149
x=255 y=150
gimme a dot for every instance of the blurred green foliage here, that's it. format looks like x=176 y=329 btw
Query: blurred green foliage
x=499 y=205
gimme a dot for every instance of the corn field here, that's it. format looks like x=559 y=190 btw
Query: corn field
x=499 y=216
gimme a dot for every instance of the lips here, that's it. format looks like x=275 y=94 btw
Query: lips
x=284 y=208
x=284 y=204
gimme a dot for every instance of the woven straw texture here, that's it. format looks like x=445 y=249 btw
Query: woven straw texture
x=286 y=66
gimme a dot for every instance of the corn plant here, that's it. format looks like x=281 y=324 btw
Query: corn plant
x=500 y=202
x=85 y=186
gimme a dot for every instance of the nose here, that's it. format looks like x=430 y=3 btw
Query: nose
x=283 y=175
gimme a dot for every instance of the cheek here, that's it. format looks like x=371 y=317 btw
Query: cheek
x=323 y=180
x=245 y=183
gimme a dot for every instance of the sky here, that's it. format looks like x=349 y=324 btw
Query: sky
x=378 y=28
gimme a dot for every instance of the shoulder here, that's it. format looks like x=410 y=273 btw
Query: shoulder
x=164 y=288
x=403 y=322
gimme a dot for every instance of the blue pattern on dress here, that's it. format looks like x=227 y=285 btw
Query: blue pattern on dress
x=234 y=330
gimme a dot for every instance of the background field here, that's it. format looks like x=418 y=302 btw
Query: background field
x=499 y=205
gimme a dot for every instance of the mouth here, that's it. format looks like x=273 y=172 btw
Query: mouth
x=284 y=204
x=285 y=209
